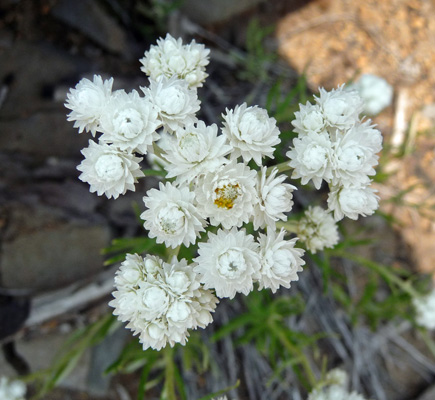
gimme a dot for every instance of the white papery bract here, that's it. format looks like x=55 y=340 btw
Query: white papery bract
x=87 y=102
x=175 y=102
x=425 y=310
x=12 y=389
x=340 y=108
x=227 y=196
x=195 y=150
x=228 y=262
x=317 y=229
x=334 y=392
x=280 y=260
x=109 y=170
x=274 y=199
x=309 y=118
x=129 y=122
x=251 y=132
x=311 y=158
x=375 y=91
x=171 y=58
x=172 y=217
x=352 y=201
x=160 y=300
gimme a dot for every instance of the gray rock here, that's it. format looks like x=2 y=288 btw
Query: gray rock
x=91 y=19
x=43 y=249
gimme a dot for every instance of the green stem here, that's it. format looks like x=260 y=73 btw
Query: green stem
x=382 y=270
x=297 y=352
x=282 y=167
x=289 y=226
x=169 y=387
x=170 y=252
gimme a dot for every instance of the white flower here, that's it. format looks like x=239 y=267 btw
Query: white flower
x=228 y=262
x=161 y=301
x=368 y=135
x=309 y=118
x=340 y=108
x=317 y=229
x=195 y=150
x=251 y=132
x=337 y=376
x=425 y=310
x=129 y=122
x=12 y=390
x=274 y=199
x=109 y=170
x=334 y=392
x=87 y=102
x=174 y=101
x=227 y=196
x=171 y=58
x=375 y=91
x=352 y=201
x=172 y=217
x=354 y=157
x=280 y=260
x=311 y=157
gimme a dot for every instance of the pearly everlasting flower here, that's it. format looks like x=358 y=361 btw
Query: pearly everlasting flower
x=274 y=199
x=279 y=259
x=251 y=132
x=195 y=150
x=337 y=376
x=334 y=392
x=12 y=390
x=375 y=91
x=352 y=201
x=87 y=102
x=109 y=170
x=227 y=196
x=228 y=262
x=425 y=310
x=172 y=217
x=340 y=107
x=129 y=122
x=311 y=157
x=317 y=229
x=175 y=102
x=354 y=157
x=171 y=58
x=309 y=118
x=161 y=301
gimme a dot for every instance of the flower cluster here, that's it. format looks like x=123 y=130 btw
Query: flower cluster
x=12 y=390
x=215 y=177
x=336 y=146
x=335 y=388
x=161 y=300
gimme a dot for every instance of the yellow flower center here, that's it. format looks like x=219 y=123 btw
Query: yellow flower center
x=227 y=195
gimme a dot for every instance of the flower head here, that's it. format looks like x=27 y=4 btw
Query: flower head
x=227 y=196
x=87 y=102
x=195 y=150
x=352 y=201
x=425 y=310
x=228 y=262
x=175 y=102
x=171 y=58
x=171 y=216
x=274 y=199
x=280 y=260
x=375 y=91
x=129 y=122
x=317 y=229
x=109 y=170
x=161 y=301
x=12 y=390
x=309 y=118
x=251 y=132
